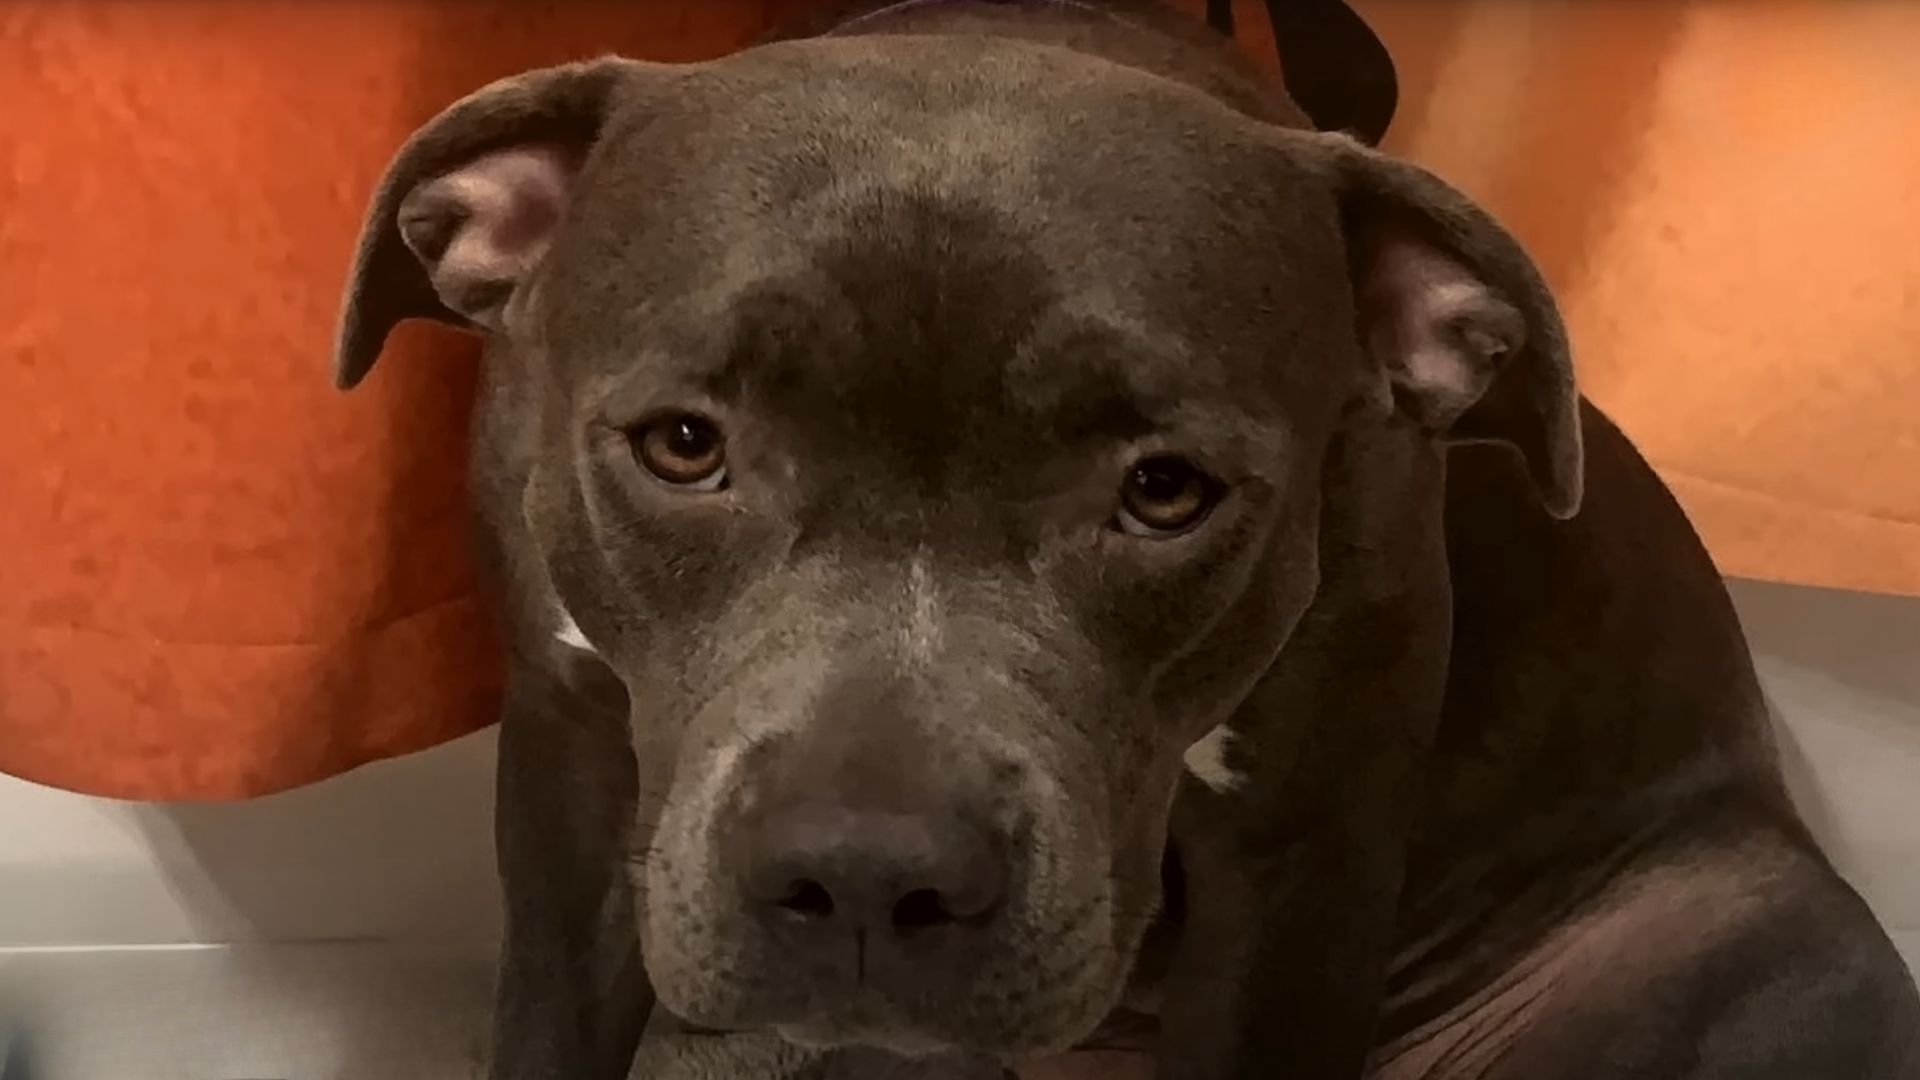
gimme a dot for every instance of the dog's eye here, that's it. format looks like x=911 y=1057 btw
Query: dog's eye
x=684 y=450
x=1165 y=496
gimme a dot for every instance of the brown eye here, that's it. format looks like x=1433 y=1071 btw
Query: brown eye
x=685 y=451
x=1165 y=496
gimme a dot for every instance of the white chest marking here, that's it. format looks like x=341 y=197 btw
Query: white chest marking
x=1207 y=761
x=569 y=633
x=922 y=631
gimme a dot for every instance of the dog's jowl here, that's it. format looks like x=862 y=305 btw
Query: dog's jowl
x=971 y=494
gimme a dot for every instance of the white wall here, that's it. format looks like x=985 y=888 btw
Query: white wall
x=340 y=932
x=401 y=850
x=386 y=874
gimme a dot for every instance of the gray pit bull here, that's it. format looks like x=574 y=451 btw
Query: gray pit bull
x=1017 y=541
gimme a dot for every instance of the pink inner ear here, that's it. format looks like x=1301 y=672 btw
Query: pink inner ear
x=1437 y=329
x=482 y=228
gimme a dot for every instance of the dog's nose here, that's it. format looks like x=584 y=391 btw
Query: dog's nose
x=826 y=866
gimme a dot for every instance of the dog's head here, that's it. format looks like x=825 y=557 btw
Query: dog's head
x=929 y=434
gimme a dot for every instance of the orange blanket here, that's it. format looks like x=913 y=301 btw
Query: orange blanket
x=218 y=578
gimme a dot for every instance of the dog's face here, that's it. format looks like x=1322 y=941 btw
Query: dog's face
x=937 y=466
x=950 y=477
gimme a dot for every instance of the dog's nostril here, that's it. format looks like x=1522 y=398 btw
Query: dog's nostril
x=808 y=899
x=920 y=909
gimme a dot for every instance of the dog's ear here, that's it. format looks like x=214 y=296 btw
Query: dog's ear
x=1335 y=67
x=468 y=206
x=1457 y=318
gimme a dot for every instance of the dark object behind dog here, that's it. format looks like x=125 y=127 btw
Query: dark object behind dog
x=952 y=476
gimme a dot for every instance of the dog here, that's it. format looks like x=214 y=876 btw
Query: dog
x=1014 y=539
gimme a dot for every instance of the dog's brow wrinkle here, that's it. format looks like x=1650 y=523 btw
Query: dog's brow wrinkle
x=1207 y=761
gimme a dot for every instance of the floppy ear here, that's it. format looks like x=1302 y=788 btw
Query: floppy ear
x=1457 y=318
x=1335 y=67
x=470 y=203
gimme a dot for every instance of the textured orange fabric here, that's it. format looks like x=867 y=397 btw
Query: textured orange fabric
x=1725 y=195
x=218 y=578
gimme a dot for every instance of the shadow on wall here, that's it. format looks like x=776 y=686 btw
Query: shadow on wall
x=1803 y=782
x=1818 y=648
x=1841 y=674
x=1869 y=641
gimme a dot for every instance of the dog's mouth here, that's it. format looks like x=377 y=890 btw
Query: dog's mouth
x=702 y=1031
x=865 y=1025
x=871 y=1028
x=1124 y=1031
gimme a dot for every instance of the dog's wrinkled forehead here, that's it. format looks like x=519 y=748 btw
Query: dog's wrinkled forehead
x=977 y=223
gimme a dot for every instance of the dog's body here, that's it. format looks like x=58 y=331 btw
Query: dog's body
x=1608 y=879
x=1444 y=786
